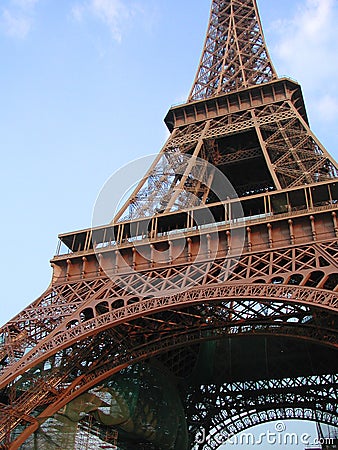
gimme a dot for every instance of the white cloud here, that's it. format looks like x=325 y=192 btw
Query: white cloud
x=117 y=15
x=78 y=12
x=16 y=19
x=113 y=13
x=307 y=50
x=25 y=4
x=14 y=25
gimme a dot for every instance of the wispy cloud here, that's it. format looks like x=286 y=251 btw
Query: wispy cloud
x=117 y=15
x=15 y=25
x=16 y=18
x=307 y=50
x=24 y=4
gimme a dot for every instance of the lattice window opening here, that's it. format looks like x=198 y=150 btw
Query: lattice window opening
x=253 y=168
x=314 y=278
x=102 y=308
x=295 y=279
x=252 y=309
x=276 y=135
x=230 y=119
x=184 y=145
x=331 y=282
x=72 y=324
x=184 y=130
x=271 y=109
x=86 y=314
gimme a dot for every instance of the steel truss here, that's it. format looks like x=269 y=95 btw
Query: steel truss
x=305 y=274
x=235 y=54
x=63 y=329
x=292 y=153
x=271 y=273
x=219 y=412
x=48 y=349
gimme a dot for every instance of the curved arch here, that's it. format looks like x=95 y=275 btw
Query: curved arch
x=229 y=409
x=295 y=391
x=86 y=314
x=112 y=363
x=251 y=313
x=295 y=278
x=101 y=308
x=297 y=413
x=118 y=303
x=314 y=278
x=62 y=337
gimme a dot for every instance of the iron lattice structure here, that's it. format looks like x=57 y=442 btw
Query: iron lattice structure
x=235 y=55
x=224 y=408
x=228 y=243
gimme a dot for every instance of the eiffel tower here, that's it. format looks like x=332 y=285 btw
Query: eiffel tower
x=209 y=304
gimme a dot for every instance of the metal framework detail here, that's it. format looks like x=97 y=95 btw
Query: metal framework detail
x=235 y=55
x=228 y=242
x=228 y=409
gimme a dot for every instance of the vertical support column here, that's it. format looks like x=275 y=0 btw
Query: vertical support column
x=69 y=263
x=269 y=227
x=291 y=231
x=189 y=249
x=248 y=230
x=313 y=228
x=335 y=224
x=100 y=264
x=84 y=266
x=208 y=245
x=134 y=257
x=170 y=252
x=228 y=234
x=265 y=151
x=116 y=267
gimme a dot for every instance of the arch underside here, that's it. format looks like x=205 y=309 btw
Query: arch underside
x=217 y=413
x=81 y=332
x=279 y=383
x=72 y=309
x=276 y=354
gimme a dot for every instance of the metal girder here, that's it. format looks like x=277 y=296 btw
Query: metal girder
x=73 y=329
x=65 y=307
x=313 y=265
x=150 y=326
x=219 y=412
x=235 y=55
x=279 y=280
x=285 y=145
x=77 y=371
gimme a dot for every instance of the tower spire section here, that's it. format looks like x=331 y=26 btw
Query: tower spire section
x=235 y=55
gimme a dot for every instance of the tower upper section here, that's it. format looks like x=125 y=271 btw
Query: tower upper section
x=235 y=55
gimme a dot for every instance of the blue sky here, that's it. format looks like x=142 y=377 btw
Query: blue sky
x=85 y=85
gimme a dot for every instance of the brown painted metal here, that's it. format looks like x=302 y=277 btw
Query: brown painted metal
x=235 y=55
x=155 y=282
